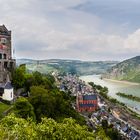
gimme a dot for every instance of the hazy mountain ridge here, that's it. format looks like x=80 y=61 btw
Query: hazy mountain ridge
x=128 y=70
x=73 y=66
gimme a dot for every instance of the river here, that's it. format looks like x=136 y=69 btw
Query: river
x=115 y=87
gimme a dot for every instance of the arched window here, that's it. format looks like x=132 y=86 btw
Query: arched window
x=11 y=65
x=5 y=65
x=4 y=56
x=0 y=56
x=3 y=41
x=0 y=68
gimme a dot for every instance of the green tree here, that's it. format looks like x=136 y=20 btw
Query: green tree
x=53 y=104
x=42 y=102
x=50 y=78
x=29 y=82
x=48 y=84
x=18 y=76
x=38 y=79
x=104 y=124
x=13 y=128
x=101 y=135
x=113 y=134
x=23 y=108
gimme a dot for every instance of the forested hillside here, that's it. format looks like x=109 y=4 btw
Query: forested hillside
x=128 y=70
x=70 y=66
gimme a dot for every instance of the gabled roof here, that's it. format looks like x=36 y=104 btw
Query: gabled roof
x=4 y=30
x=8 y=85
x=89 y=97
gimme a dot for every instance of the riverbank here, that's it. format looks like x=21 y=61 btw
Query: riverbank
x=131 y=97
x=115 y=87
x=124 y=114
x=123 y=82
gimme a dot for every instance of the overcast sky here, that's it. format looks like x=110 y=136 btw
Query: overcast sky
x=73 y=29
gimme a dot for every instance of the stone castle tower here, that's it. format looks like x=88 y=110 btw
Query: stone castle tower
x=7 y=64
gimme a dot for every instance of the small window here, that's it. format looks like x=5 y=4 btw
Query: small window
x=3 y=41
x=11 y=65
x=5 y=65
x=11 y=95
x=4 y=56
x=0 y=56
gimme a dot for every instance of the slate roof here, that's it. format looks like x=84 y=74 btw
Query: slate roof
x=3 y=30
x=87 y=105
x=8 y=85
x=2 y=85
x=89 y=97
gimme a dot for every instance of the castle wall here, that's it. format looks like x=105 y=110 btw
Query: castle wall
x=7 y=64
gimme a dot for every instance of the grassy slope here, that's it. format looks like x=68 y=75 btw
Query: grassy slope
x=3 y=107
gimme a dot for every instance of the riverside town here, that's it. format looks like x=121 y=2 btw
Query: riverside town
x=19 y=90
x=70 y=70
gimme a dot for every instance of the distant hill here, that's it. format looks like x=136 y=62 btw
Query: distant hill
x=128 y=70
x=73 y=66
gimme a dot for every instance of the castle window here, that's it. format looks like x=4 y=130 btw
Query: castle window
x=11 y=65
x=1 y=91
x=5 y=65
x=0 y=56
x=3 y=41
x=0 y=66
x=4 y=56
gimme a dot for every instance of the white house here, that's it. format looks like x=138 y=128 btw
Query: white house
x=7 y=91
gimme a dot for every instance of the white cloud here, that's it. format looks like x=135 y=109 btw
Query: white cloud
x=51 y=29
x=133 y=41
